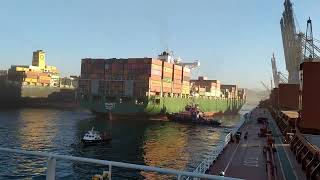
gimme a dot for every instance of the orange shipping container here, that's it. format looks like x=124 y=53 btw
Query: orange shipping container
x=178 y=91
x=157 y=62
x=44 y=77
x=177 y=77
x=157 y=67
x=168 y=65
x=167 y=70
x=186 y=70
x=154 y=83
x=166 y=89
x=176 y=71
x=165 y=84
x=177 y=67
x=155 y=89
x=177 y=81
x=156 y=72
x=177 y=86
x=158 y=78
x=186 y=83
x=167 y=75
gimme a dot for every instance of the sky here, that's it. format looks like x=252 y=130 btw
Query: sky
x=234 y=40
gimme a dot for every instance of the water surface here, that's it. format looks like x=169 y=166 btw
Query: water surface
x=139 y=141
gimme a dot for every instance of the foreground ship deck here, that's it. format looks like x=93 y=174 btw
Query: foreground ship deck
x=246 y=159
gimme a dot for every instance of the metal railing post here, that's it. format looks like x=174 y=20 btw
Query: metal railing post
x=51 y=168
x=110 y=169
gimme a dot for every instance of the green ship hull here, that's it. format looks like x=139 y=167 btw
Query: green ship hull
x=161 y=105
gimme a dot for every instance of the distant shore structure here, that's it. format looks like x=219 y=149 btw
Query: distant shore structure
x=39 y=73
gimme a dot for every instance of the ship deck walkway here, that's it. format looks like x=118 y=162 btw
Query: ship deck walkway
x=246 y=159
x=290 y=167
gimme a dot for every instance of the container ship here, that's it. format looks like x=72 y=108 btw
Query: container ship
x=152 y=86
x=36 y=84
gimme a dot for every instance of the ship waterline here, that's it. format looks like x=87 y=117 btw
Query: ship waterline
x=162 y=105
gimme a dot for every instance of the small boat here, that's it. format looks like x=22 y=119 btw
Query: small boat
x=193 y=115
x=95 y=137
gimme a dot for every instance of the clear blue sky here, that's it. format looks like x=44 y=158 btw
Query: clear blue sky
x=233 y=39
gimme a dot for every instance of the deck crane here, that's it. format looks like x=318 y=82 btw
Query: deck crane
x=283 y=78
x=309 y=45
x=298 y=47
x=278 y=77
x=275 y=73
x=266 y=87
x=311 y=51
x=191 y=65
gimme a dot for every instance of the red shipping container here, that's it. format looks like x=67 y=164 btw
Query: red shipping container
x=310 y=113
x=275 y=97
x=289 y=96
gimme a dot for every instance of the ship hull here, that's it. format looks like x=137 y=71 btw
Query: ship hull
x=161 y=106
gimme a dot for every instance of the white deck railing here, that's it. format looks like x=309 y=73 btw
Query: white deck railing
x=51 y=165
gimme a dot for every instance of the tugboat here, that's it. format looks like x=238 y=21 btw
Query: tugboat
x=192 y=114
x=95 y=137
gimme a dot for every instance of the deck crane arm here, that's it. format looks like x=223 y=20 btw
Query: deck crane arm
x=283 y=78
x=275 y=73
x=266 y=87
x=191 y=65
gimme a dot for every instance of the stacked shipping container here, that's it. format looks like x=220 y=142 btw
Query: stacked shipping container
x=309 y=121
x=167 y=74
x=186 y=74
x=206 y=87
x=230 y=91
x=139 y=76
x=29 y=76
x=177 y=79
x=288 y=98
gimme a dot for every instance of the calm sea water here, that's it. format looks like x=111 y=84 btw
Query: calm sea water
x=140 y=141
